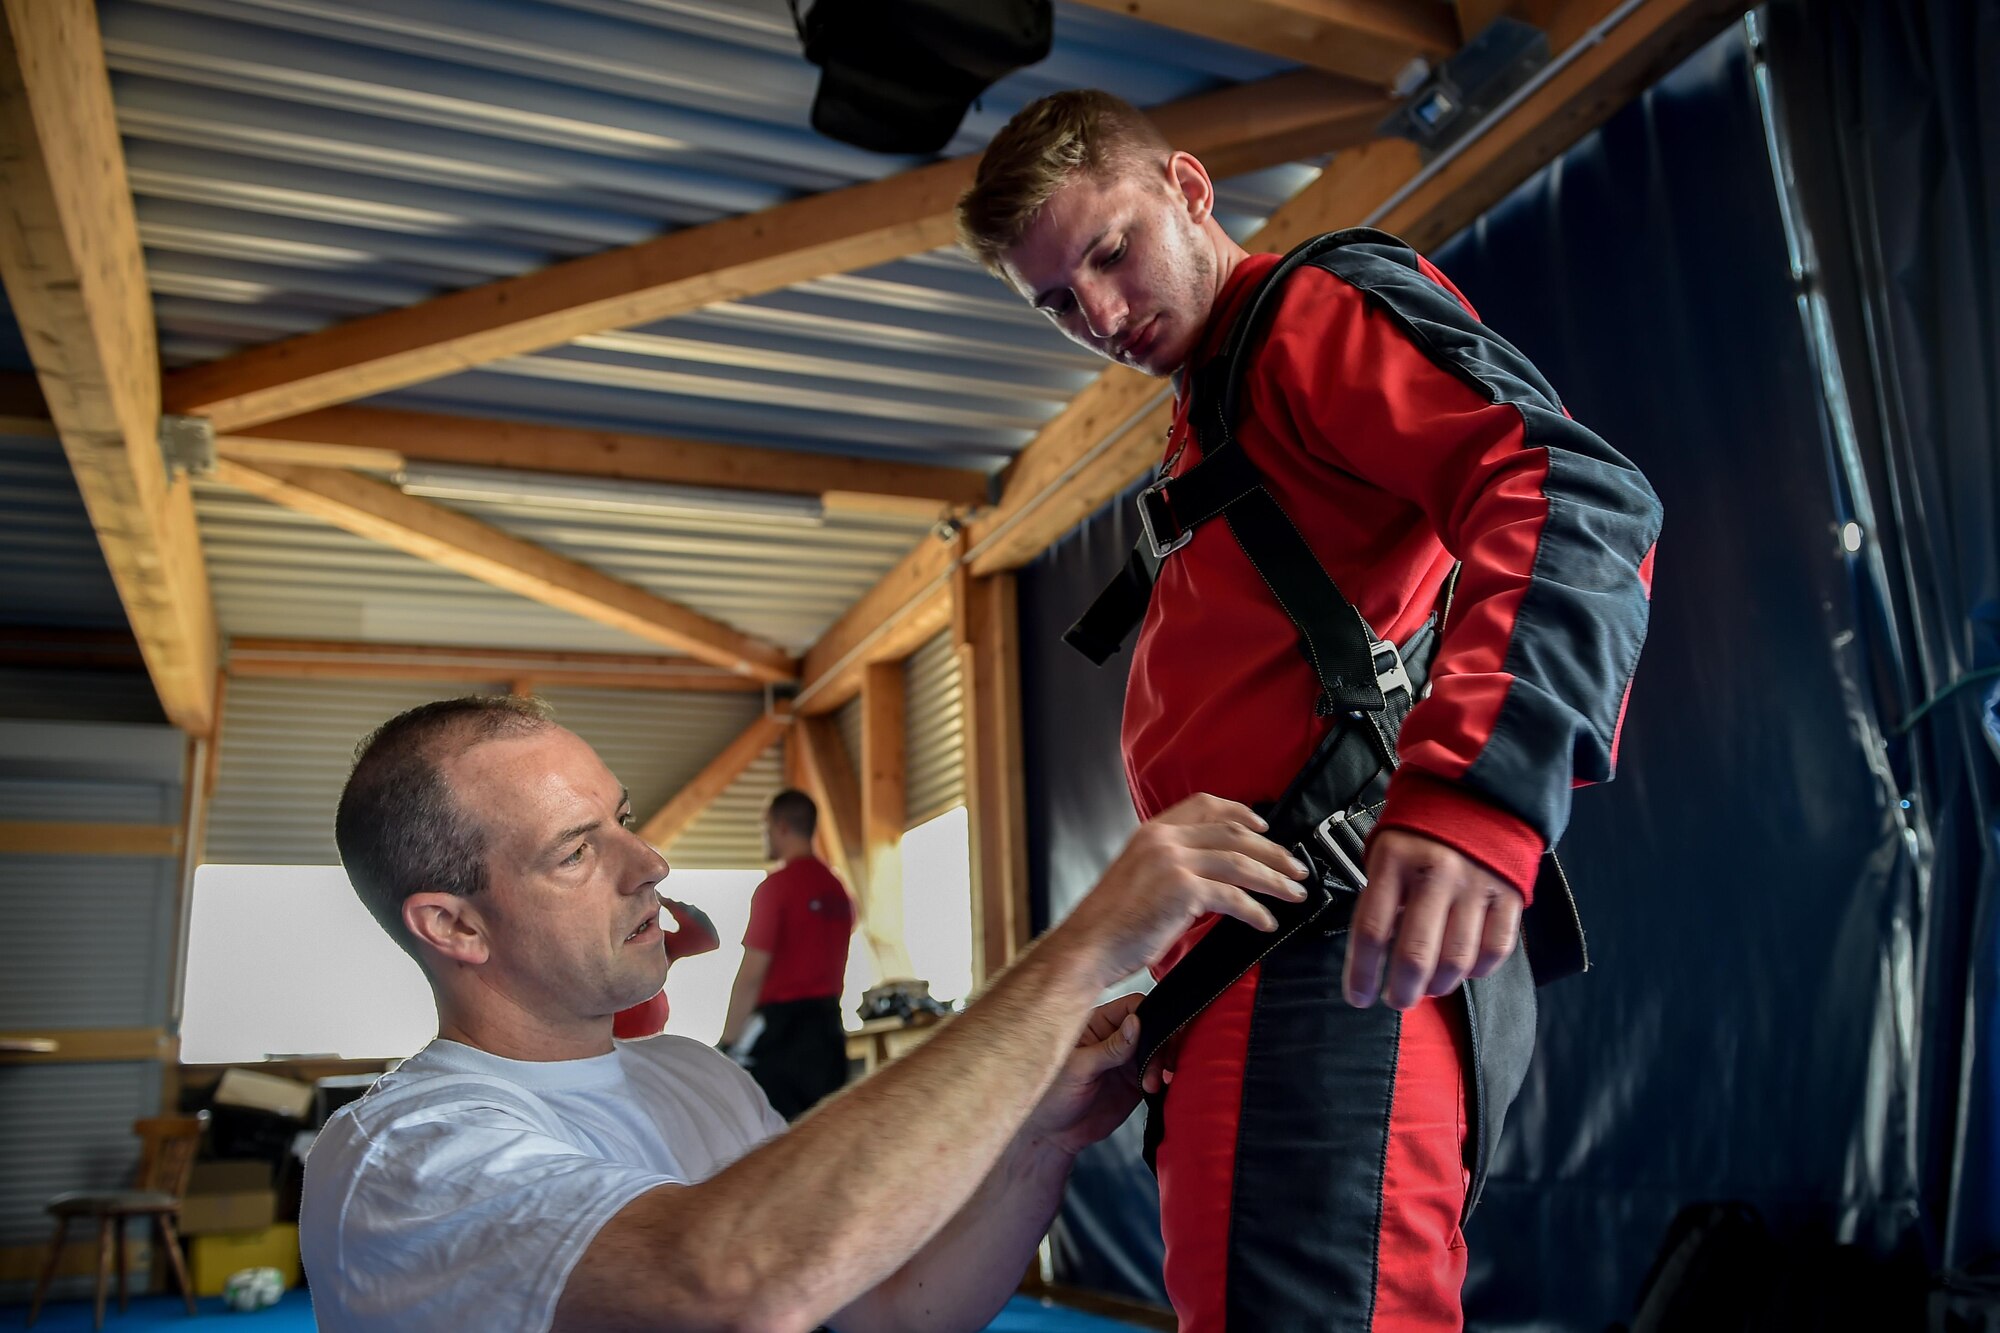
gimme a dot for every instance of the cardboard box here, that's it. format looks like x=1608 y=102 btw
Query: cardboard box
x=232 y=1210
x=214 y=1258
x=264 y=1092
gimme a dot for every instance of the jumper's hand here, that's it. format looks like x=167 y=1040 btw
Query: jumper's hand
x=1457 y=920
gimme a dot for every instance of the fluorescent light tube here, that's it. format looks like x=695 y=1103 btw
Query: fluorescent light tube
x=502 y=486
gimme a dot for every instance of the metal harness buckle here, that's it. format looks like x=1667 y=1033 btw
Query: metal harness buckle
x=1324 y=832
x=1392 y=675
x=1161 y=550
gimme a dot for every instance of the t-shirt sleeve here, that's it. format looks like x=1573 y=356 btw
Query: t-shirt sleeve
x=458 y=1215
x=765 y=910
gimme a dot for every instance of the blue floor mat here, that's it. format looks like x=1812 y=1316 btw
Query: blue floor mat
x=159 y=1314
x=293 y=1314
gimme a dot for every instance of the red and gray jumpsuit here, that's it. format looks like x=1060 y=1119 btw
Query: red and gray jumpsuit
x=1320 y=1184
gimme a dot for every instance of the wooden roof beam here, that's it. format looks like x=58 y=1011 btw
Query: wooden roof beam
x=312 y=659
x=873 y=223
x=674 y=818
x=1370 y=40
x=76 y=278
x=831 y=779
x=911 y=603
x=443 y=536
x=378 y=438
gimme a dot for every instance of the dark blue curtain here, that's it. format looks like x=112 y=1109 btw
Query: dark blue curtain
x=1892 y=118
x=1763 y=908
x=1746 y=881
x=1107 y=1236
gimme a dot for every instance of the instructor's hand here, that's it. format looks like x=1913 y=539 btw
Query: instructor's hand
x=1447 y=916
x=1204 y=855
x=1098 y=1085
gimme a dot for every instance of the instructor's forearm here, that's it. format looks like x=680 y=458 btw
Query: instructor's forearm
x=963 y=1277
x=810 y=1221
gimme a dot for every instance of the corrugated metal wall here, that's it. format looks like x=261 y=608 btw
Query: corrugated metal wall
x=729 y=835
x=933 y=731
x=87 y=944
x=287 y=746
x=285 y=749
x=66 y=1127
x=848 y=719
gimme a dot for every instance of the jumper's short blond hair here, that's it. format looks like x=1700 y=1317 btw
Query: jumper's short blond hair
x=1043 y=148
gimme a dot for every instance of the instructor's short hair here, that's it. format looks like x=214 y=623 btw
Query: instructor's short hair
x=399 y=828
x=795 y=810
x=1041 y=150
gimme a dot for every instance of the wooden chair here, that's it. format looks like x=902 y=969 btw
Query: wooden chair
x=165 y=1163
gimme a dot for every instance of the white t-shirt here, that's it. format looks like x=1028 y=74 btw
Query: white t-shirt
x=461 y=1191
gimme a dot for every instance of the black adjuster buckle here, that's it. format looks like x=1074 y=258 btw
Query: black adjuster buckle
x=1323 y=832
x=1180 y=536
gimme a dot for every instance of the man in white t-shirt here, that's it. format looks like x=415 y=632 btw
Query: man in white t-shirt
x=526 y=1172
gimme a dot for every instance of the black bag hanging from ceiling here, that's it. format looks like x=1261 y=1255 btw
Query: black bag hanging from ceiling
x=897 y=76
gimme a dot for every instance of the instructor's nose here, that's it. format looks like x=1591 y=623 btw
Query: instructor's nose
x=646 y=866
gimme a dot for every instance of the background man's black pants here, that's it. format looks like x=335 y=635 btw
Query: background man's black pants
x=801 y=1056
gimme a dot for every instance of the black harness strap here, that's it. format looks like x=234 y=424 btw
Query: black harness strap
x=1345 y=776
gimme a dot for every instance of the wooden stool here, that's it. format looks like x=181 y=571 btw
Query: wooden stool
x=165 y=1163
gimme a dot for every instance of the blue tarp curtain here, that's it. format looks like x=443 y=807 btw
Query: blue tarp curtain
x=1892 y=116
x=1781 y=1010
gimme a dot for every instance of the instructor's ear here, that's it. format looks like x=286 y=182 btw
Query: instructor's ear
x=1188 y=178
x=446 y=925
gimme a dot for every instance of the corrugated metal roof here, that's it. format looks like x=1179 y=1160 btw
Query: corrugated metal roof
x=52 y=572
x=67 y=694
x=276 y=572
x=13 y=349
x=297 y=163
x=729 y=835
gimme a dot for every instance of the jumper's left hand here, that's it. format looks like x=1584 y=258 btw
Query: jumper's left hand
x=1097 y=1086
x=1446 y=916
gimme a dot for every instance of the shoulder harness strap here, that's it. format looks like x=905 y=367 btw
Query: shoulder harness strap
x=1351 y=664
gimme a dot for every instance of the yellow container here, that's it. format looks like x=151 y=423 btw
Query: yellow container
x=216 y=1256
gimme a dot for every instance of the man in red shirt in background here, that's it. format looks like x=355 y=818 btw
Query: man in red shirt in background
x=794 y=964
x=1317 y=1158
x=693 y=934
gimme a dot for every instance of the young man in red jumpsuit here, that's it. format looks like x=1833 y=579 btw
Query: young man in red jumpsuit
x=1318 y=1158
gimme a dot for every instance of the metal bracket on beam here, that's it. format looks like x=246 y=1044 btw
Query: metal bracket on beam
x=188 y=445
x=1460 y=92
